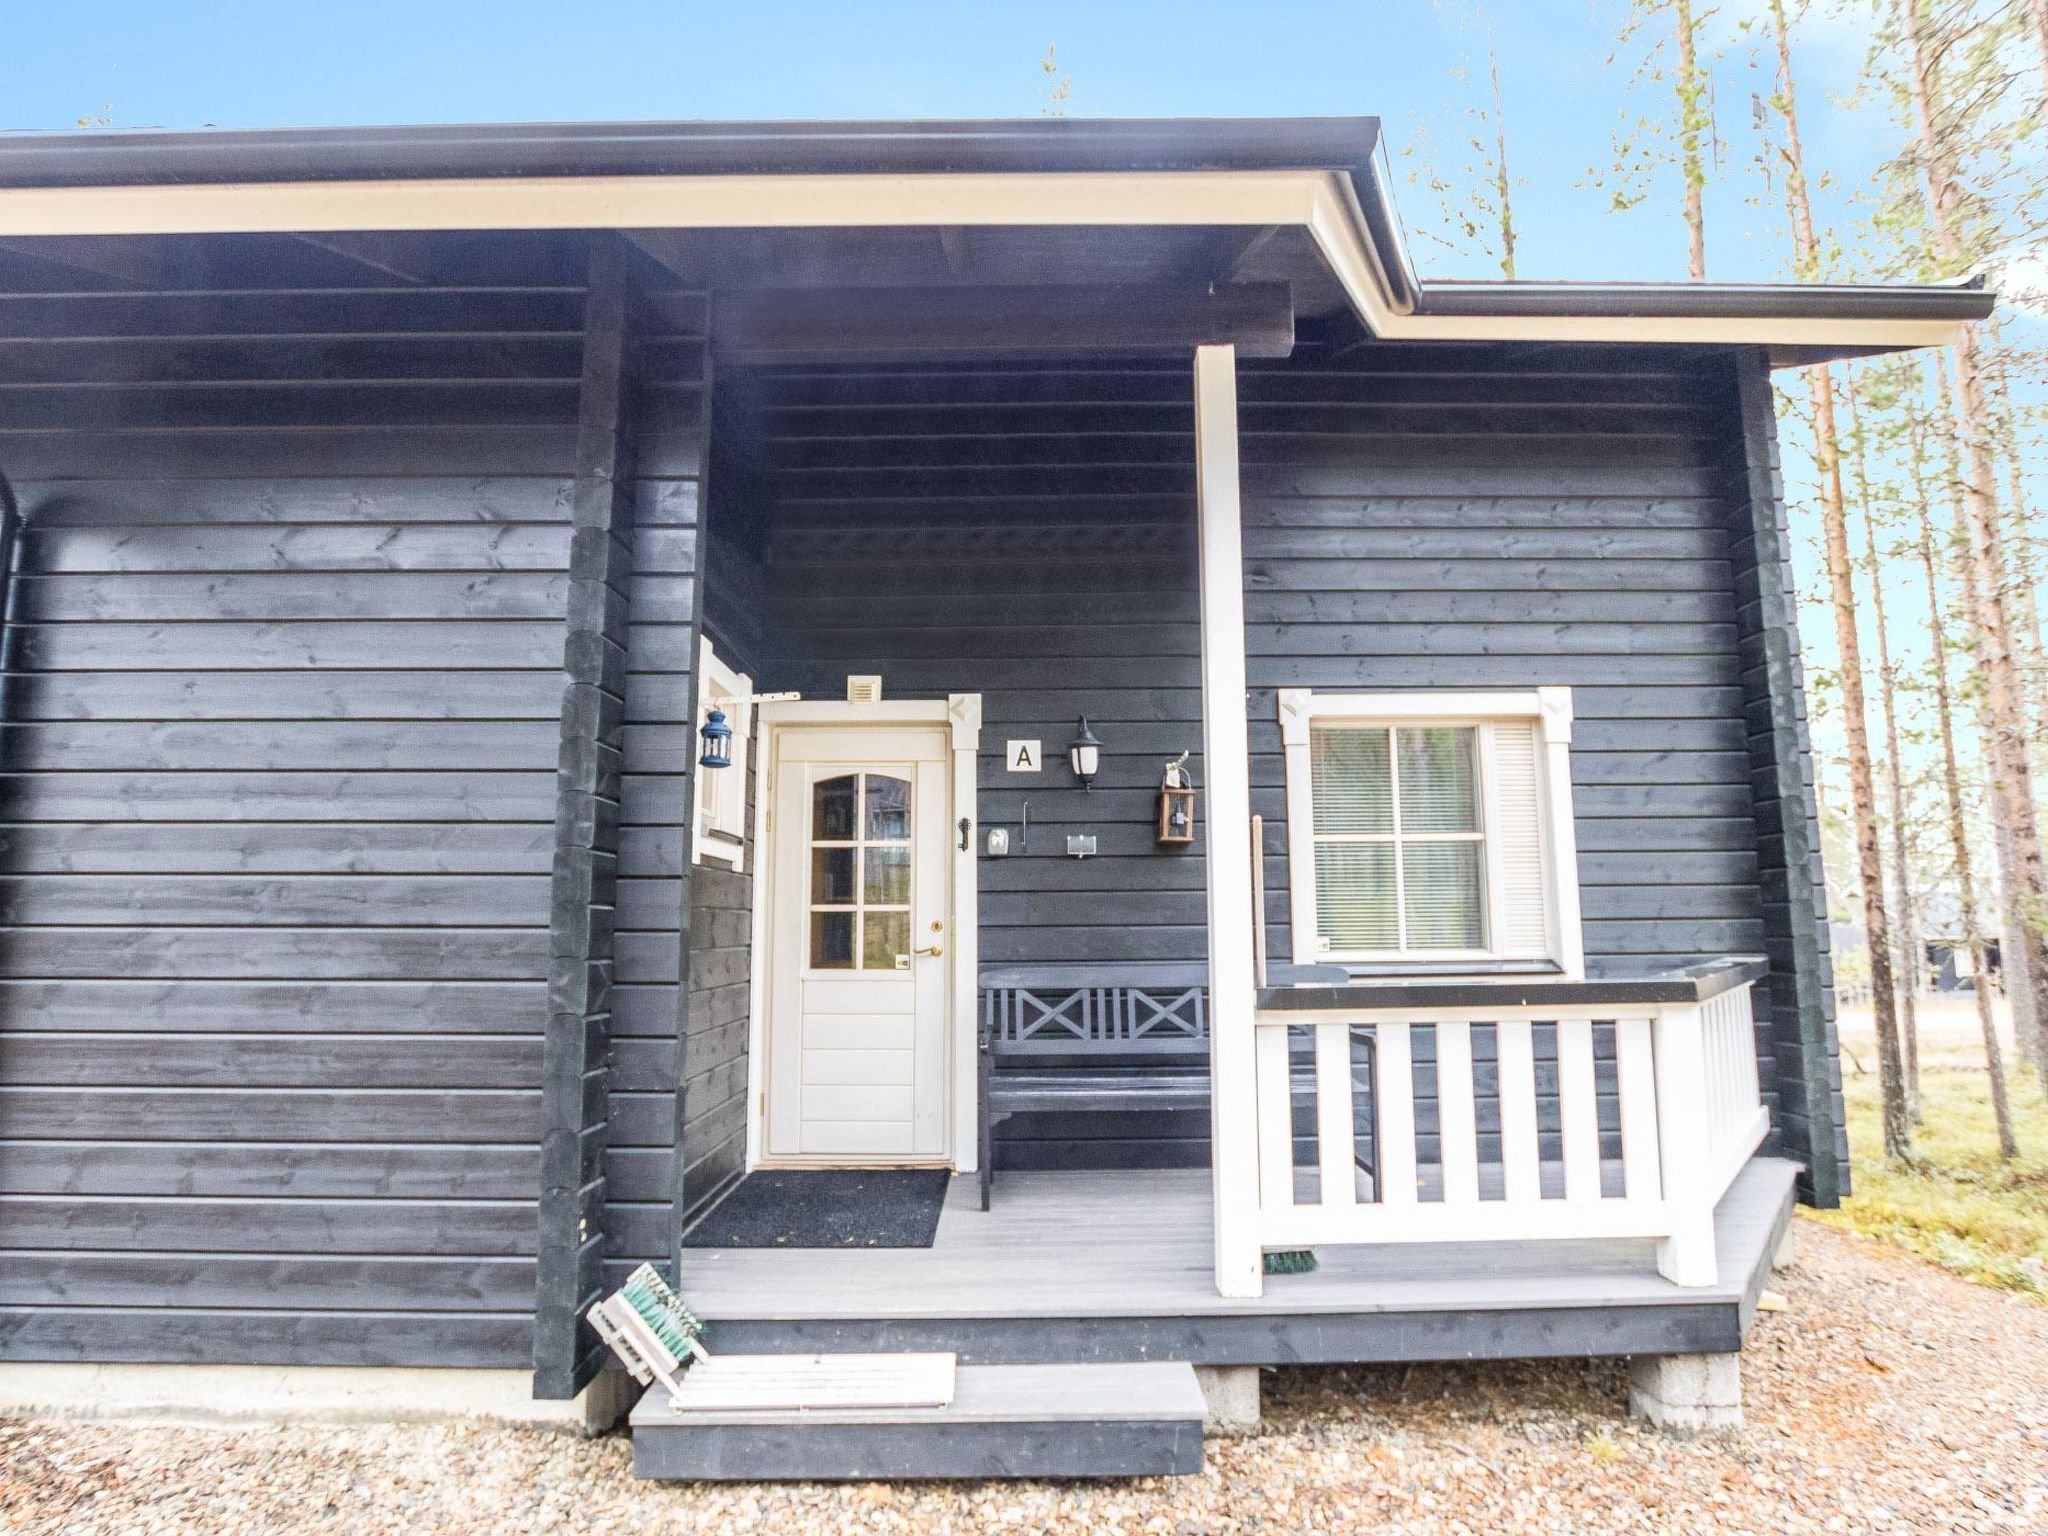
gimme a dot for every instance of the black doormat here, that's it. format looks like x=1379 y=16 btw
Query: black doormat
x=827 y=1208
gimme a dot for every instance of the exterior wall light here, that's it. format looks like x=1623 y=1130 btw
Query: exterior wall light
x=1085 y=755
x=1176 y=804
x=717 y=738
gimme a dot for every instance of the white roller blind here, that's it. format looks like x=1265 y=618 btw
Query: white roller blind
x=1515 y=841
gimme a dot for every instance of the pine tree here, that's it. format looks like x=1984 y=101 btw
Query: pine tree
x=1641 y=148
x=1937 y=128
x=1959 y=836
x=1842 y=599
x=1477 y=203
x=1906 y=971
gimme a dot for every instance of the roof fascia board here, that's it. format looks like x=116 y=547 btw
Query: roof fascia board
x=1323 y=202
x=1347 y=247
x=1089 y=198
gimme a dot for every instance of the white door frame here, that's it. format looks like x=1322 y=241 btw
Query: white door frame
x=960 y=713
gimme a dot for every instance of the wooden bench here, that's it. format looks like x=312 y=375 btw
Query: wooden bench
x=1109 y=1039
x=1100 y=1038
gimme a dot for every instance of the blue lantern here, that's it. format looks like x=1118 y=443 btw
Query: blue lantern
x=717 y=737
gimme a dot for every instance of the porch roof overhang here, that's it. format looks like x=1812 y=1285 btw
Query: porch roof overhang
x=1321 y=183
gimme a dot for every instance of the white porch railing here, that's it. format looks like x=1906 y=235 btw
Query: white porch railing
x=1402 y=1125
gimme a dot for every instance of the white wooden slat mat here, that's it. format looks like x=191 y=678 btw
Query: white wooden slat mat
x=728 y=1383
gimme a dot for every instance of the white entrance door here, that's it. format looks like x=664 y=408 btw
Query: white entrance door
x=859 y=936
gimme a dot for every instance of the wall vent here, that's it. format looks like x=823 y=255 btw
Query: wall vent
x=863 y=689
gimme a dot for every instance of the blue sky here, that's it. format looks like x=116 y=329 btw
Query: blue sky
x=237 y=64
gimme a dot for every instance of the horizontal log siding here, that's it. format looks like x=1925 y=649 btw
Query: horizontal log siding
x=1025 y=533
x=1448 y=517
x=280 y=798
x=1459 y=517
x=660 y=957
x=1795 y=1003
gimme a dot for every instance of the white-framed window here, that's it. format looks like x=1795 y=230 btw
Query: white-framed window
x=1431 y=829
x=722 y=792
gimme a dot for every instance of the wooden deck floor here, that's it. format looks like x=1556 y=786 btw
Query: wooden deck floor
x=1117 y=1266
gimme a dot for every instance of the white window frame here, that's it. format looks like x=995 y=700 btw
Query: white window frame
x=1549 y=710
x=721 y=826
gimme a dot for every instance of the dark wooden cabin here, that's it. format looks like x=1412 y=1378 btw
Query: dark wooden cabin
x=381 y=977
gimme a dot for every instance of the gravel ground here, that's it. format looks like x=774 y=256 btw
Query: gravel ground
x=1889 y=1397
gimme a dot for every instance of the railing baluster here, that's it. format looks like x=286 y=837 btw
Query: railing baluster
x=1636 y=1076
x=1577 y=1092
x=1335 y=1145
x=1276 y=1120
x=1688 y=1118
x=1394 y=1067
x=1457 y=1122
x=1520 y=1154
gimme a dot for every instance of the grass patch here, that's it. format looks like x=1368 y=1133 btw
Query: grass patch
x=1956 y=1204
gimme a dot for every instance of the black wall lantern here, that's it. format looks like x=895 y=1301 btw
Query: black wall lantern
x=717 y=738
x=1085 y=755
x=1176 y=804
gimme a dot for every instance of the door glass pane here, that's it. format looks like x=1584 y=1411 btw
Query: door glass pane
x=886 y=935
x=832 y=809
x=1439 y=779
x=832 y=941
x=1350 y=783
x=1440 y=885
x=888 y=876
x=1355 y=895
x=888 y=811
x=832 y=883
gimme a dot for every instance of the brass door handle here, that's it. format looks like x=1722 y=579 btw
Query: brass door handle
x=934 y=951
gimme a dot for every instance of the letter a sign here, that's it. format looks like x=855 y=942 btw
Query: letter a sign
x=1023 y=757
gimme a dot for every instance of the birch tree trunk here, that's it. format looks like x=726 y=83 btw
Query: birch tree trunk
x=2011 y=768
x=1958 y=828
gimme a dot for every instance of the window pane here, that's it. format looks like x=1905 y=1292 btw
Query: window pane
x=1439 y=779
x=1355 y=895
x=888 y=818
x=1442 y=891
x=888 y=876
x=885 y=936
x=832 y=809
x=1349 y=780
x=832 y=877
x=832 y=941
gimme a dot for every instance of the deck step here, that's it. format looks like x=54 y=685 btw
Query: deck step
x=1125 y=1420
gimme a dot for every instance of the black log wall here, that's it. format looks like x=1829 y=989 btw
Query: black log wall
x=1442 y=517
x=281 y=756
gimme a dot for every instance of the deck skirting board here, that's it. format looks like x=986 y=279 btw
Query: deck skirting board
x=864 y=1452
x=1303 y=1338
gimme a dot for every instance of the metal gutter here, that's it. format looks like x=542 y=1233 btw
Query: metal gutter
x=463 y=151
x=1961 y=301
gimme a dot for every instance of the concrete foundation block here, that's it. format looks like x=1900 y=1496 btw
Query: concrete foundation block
x=1687 y=1394
x=1785 y=1255
x=254 y=1394
x=1231 y=1396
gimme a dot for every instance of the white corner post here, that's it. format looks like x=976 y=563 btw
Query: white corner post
x=963 y=716
x=1226 y=759
x=1684 y=1145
